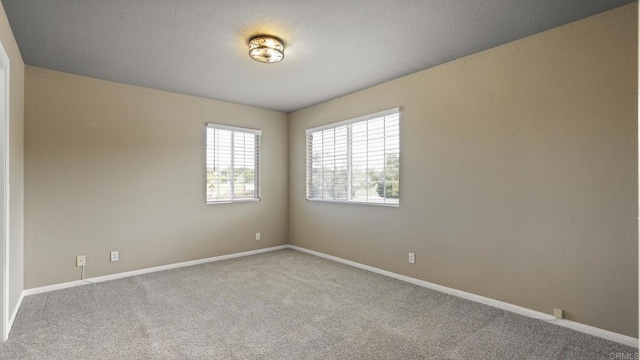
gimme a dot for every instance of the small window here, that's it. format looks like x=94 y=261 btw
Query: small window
x=233 y=164
x=356 y=161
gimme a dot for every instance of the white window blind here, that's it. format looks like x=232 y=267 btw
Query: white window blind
x=233 y=164
x=357 y=160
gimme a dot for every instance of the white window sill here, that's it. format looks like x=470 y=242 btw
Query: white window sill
x=355 y=202
x=232 y=201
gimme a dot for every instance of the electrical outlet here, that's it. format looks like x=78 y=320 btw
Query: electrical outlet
x=412 y=258
x=114 y=256
x=81 y=260
x=257 y=236
x=558 y=313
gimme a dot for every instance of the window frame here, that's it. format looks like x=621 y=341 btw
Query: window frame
x=258 y=163
x=338 y=124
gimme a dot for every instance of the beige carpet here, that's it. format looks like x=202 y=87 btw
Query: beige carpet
x=280 y=305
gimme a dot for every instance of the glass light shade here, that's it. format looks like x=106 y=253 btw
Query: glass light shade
x=266 y=49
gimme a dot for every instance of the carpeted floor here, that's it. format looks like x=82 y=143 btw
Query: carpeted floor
x=280 y=305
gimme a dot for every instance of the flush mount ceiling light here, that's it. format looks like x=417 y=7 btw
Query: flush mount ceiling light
x=266 y=49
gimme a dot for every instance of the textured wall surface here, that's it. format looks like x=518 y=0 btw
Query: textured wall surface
x=518 y=174
x=16 y=161
x=117 y=167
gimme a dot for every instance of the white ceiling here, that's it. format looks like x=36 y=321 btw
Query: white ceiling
x=333 y=47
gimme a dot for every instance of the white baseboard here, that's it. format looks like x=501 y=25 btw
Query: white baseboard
x=587 y=329
x=98 y=279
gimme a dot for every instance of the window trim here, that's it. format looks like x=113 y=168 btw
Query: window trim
x=257 y=181
x=334 y=125
x=234 y=128
x=354 y=120
x=355 y=202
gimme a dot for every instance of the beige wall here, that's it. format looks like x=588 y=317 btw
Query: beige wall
x=518 y=175
x=117 y=167
x=16 y=161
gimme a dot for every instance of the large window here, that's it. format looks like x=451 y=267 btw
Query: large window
x=357 y=160
x=233 y=164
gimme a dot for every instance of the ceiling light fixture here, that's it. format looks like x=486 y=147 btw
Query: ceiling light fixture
x=266 y=49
